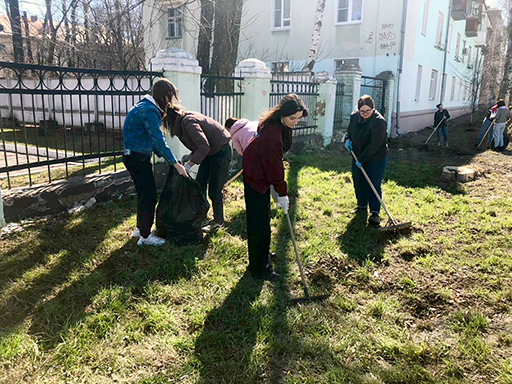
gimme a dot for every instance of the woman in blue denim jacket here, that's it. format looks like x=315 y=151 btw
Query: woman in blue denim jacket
x=141 y=137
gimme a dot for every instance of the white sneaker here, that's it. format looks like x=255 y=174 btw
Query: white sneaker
x=151 y=240
x=136 y=233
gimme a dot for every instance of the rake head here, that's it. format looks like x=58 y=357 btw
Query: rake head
x=390 y=226
x=309 y=298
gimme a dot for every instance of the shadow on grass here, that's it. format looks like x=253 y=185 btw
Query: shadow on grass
x=84 y=270
x=230 y=332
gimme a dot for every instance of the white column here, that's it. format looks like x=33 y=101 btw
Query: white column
x=350 y=76
x=326 y=102
x=256 y=87
x=184 y=72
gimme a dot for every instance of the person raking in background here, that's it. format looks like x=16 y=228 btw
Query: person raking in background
x=262 y=167
x=141 y=137
x=501 y=116
x=242 y=132
x=209 y=142
x=367 y=137
x=441 y=117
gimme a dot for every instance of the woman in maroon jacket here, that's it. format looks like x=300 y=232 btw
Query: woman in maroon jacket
x=263 y=167
x=209 y=142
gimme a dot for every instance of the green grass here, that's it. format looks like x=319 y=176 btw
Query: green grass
x=80 y=302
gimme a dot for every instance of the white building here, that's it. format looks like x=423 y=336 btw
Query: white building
x=442 y=40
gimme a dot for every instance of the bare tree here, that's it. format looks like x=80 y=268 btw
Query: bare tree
x=13 y=11
x=30 y=57
x=315 y=37
x=226 y=36
x=505 y=84
x=204 y=42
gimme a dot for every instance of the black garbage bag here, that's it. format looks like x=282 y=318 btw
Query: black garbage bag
x=181 y=210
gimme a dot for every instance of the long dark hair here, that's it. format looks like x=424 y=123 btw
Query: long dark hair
x=165 y=93
x=172 y=112
x=501 y=103
x=288 y=105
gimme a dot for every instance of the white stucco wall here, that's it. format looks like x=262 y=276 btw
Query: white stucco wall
x=375 y=41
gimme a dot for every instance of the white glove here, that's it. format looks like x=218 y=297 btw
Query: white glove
x=283 y=202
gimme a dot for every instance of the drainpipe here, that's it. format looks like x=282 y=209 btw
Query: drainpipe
x=443 y=82
x=400 y=66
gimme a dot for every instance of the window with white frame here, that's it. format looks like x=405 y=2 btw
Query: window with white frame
x=425 y=17
x=464 y=49
x=439 y=32
x=418 y=83
x=281 y=14
x=349 y=11
x=452 y=93
x=465 y=91
x=433 y=85
x=450 y=38
x=469 y=57
x=174 y=22
x=457 y=47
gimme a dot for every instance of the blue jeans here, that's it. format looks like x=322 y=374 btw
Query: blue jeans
x=364 y=193
x=444 y=131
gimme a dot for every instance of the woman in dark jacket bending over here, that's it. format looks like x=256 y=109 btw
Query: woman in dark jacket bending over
x=263 y=167
x=209 y=142
x=367 y=137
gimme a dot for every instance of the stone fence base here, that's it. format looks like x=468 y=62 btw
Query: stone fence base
x=59 y=196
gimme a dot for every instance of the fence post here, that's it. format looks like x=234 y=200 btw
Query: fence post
x=256 y=82
x=350 y=76
x=183 y=70
x=325 y=104
x=2 y=217
x=389 y=78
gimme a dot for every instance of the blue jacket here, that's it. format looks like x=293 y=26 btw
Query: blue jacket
x=141 y=130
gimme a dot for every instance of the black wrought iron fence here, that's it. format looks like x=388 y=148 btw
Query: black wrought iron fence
x=339 y=113
x=221 y=97
x=376 y=88
x=65 y=119
x=307 y=91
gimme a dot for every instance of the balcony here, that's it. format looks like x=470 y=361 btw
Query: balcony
x=459 y=9
x=472 y=27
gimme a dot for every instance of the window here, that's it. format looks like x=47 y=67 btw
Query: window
x=174 y=22
x=282 y=14
x=349 y=11
x=433 y=84
x=281 y=66
x=439 y=32
x=464 y=50
x=425 y=18
x=457 y=47
x=450 y=38
x=339 y=62
x=452 y=93
x=418 y=83
x=465 y=92
x=469 y=57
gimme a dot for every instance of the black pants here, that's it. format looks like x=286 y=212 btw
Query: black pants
x=213 y=172
x=141 y=170
x=258 y=229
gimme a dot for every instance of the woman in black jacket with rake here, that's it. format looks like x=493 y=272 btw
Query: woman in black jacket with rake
x=367 y=137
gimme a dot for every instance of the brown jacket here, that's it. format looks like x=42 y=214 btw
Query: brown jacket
x=201 y=134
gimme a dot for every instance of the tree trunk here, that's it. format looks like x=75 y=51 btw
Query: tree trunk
x=30 y=58
x=204 y=42
x=315 y=37
x=17 y=38
x=505 y=84
x=226 y=35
